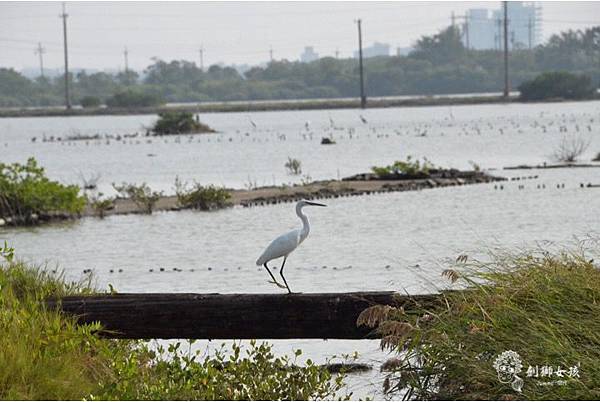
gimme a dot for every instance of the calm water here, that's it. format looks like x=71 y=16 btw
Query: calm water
x=491 y=135
x=392 y=241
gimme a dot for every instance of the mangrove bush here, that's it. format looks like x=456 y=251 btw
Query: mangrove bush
x=26 y=194
x=142 y=195
x=201 y=197
x=179 y=123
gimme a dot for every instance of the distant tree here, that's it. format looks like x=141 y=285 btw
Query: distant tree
x=128 y=77
x=90 y=101
x=445 y=46
x=557 y=85
x=133 y=98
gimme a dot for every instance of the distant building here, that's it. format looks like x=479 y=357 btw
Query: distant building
x=309 y=55
x=404 y=51
x=483 y=28
x=377 y=49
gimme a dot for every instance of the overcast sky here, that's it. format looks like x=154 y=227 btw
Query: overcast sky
x=231 y=32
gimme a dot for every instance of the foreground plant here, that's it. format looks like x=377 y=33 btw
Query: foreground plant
x=46 y=356
x=237 y=374
x=526 y=328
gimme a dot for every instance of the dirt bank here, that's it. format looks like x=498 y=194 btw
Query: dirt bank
x=317 y=190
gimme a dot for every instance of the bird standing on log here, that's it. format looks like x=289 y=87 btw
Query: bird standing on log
x=283 y=245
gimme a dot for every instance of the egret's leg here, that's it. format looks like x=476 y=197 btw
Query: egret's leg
x=281 y=273
x=272 y=277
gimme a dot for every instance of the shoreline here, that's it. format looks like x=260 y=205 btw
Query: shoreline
x=316 y=190
x=276 y=105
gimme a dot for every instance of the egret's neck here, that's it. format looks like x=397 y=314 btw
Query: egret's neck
x=305 y=225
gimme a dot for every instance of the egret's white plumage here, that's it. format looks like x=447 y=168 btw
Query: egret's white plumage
x=283 y=245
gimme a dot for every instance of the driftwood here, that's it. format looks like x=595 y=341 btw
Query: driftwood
x=232 y=316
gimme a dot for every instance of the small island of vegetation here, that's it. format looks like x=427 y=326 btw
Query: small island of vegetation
x=170 y=123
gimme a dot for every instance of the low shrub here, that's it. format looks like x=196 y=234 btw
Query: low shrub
x=26 y=193
x=201 y=197
x=101 y=205
x=571 y=148
x=293 y=166
x=406 y=168
x=134 y=98
x=90 y=102
x=558 y=84
x=179 y=123
x=142 y=195
x=526 y=328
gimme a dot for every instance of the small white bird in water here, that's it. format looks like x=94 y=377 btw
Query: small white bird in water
x=283 y=245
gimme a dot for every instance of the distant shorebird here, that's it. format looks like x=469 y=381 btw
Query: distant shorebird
x=283 y=245
x=362 y=118
x=252 y=122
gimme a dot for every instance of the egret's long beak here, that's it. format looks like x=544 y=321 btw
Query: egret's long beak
x=315 y=204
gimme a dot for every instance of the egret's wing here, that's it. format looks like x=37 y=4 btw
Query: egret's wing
x=282 y=245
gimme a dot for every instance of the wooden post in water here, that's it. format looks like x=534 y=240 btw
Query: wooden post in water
x=232 y=316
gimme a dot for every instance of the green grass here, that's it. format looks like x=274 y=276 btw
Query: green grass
x=544 y=307
x=44 y=355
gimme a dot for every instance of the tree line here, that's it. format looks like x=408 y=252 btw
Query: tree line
x=439 y=64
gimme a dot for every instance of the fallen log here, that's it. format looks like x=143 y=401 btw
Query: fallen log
x=232 y=316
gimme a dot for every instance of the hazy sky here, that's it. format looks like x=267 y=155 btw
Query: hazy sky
x=231 y=32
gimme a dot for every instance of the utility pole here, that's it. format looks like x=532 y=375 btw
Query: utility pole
x=271 y=54
x=529 y=26
x=337 y=53
x=453 y=19
x=467 y=31
x=499 y=34
x=506 y=83
x=64 y=16
x=201 y=50
x=363 y=97
x=125 y=54
x=40 y=51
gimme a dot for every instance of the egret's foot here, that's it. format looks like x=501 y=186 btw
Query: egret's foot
x=278 y=284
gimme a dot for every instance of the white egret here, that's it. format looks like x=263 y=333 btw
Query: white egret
x=283 y=245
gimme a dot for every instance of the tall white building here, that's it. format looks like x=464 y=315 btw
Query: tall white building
x=483 y=28
x=309 y=55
